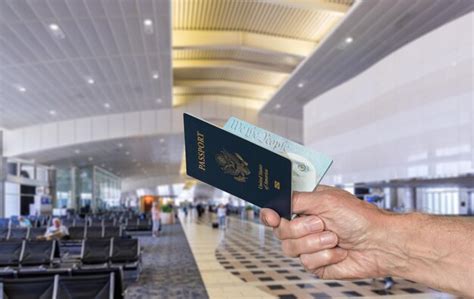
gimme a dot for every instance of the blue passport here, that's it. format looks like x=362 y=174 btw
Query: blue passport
x=237 y=166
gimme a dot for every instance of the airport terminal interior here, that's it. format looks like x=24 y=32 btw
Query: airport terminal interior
x=95 y=197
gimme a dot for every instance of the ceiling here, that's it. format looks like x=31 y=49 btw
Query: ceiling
x=102 y=40
x=245 y=48
x=107 y=61
x=377 y=28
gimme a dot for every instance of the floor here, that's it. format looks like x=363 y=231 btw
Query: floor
x=193 y=260
x=245 y=261
x=169 y=269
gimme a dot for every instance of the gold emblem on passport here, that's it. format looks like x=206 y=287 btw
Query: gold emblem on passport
x=233 y=164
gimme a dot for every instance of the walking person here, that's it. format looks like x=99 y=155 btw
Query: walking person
x=221 y=215
x=155 y=217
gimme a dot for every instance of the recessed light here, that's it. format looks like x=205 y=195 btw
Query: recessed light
x=107 y=105
x=148 y=26
x=156 y=75
x=127 y=153
x=90 y=158
x=56 y=30
x=90 y=81
x=349 y=40
x=78 y=151
x=21 y=89
x=54 y=27
x=159 y=101
x=277 y=106
x=162 y=140
x=103 y=165
x=300 y=85
x=120 y=145
x=52 y=112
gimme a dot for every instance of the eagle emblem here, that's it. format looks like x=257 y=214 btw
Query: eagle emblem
x=233 y=164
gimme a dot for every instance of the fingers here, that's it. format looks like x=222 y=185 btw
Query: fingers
x=269 y=217
x=311 y=243
x=316 y=260
x=298 y=227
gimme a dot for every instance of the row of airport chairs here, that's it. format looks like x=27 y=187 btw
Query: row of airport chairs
x=103 y=252
x=75 y=233
x=100 y=286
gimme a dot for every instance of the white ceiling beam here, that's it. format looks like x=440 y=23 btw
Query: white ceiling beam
x=197 y=38
x=218 y=63
x=322 y=5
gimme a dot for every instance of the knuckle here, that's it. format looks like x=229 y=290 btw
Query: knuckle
x=306 y=261
x=286 y=248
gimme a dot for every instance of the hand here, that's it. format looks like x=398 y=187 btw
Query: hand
x=336 y=236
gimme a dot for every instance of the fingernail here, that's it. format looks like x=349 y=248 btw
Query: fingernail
x=314 y=224
x=328 y=238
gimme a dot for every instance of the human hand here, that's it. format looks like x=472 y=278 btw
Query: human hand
x=337 y=236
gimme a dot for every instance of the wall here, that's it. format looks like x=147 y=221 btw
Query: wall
x=409 y=115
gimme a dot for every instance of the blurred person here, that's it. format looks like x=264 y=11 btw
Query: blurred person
x=24 y=222
x=56 y=231
x=156 y=219
x=338 y=236
x=221 y=215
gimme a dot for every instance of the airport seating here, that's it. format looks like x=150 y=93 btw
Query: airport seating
x=137 y=224
x=94 y=232
x=126 y=252
x=4 y=231
x=29 y=288
x=101 y=286
x=36 y=232
x=18 y=233
x=112 y=231
x=10 y=253
x=96 y=251
x=77 y=233
x=38 y=253
x=4 y=222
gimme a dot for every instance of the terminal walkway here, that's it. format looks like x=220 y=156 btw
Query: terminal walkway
x=245 y=261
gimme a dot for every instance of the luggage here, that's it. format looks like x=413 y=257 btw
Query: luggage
x=215 y=225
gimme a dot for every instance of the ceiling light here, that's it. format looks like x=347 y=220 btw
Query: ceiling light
x=159 y=101
x=78 y=151
x=90 y=158
x=277 y=106
x=156 y=75
x=56 y=31
x=21 y=89
x=90 y=81
x=127 y=153
x=134 y=160
x=349 y=40
x=162 y=140
x=300 y=85
x=52 y=112
x=107 y=105
x=120 y=145
x=103 y=165
x=148 y=26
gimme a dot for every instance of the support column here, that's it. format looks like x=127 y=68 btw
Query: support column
x=3 y=176
x=73 y=204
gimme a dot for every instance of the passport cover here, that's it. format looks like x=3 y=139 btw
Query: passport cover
x=237 y=166
x=309 y=166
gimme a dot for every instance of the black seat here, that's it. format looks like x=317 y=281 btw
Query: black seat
x=95 y=232
x=18 y=233
x=79 y=222
x=77 y=233
x=118 y=275
x=112 y=232
x=125 y=251
x=4 y=231
x=95 y=251
x=86 y=287
x=38 y=253
x=10 y=253
x=35 y=232
x=29 y=288
x=143 y=224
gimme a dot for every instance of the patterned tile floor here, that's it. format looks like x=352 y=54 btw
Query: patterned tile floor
x=250 y=252
x=169 y=268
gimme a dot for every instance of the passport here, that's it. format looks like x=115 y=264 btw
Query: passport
x=238 y=166
x=309 y=166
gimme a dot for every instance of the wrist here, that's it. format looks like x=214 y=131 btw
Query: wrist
x=393 y=244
